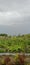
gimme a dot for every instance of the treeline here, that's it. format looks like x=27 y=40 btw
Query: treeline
x=19 y=35
x=3 y=34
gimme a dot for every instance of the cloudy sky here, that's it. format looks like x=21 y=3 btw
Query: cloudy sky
x=15 y=16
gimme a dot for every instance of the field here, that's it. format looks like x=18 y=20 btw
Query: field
x=20 y=43
x=15 y=45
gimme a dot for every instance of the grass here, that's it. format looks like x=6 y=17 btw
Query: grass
x=20 y=43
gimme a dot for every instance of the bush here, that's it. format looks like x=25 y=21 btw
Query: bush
x=3 y=35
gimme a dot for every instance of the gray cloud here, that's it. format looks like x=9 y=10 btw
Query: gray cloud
x=15 y=13
x=11 y=5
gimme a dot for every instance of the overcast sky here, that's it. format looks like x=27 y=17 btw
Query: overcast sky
x=15 y=15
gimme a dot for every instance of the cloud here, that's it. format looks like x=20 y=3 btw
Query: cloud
x=8 y=18
x=15 y=16
x=14 y=12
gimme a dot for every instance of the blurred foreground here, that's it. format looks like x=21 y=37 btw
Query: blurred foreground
x=15 y=59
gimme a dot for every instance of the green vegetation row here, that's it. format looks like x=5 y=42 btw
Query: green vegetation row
x=19 y=43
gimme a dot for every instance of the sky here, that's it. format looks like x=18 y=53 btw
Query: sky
x=15 y=16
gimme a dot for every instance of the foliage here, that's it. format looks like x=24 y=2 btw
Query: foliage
x=20 y=43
